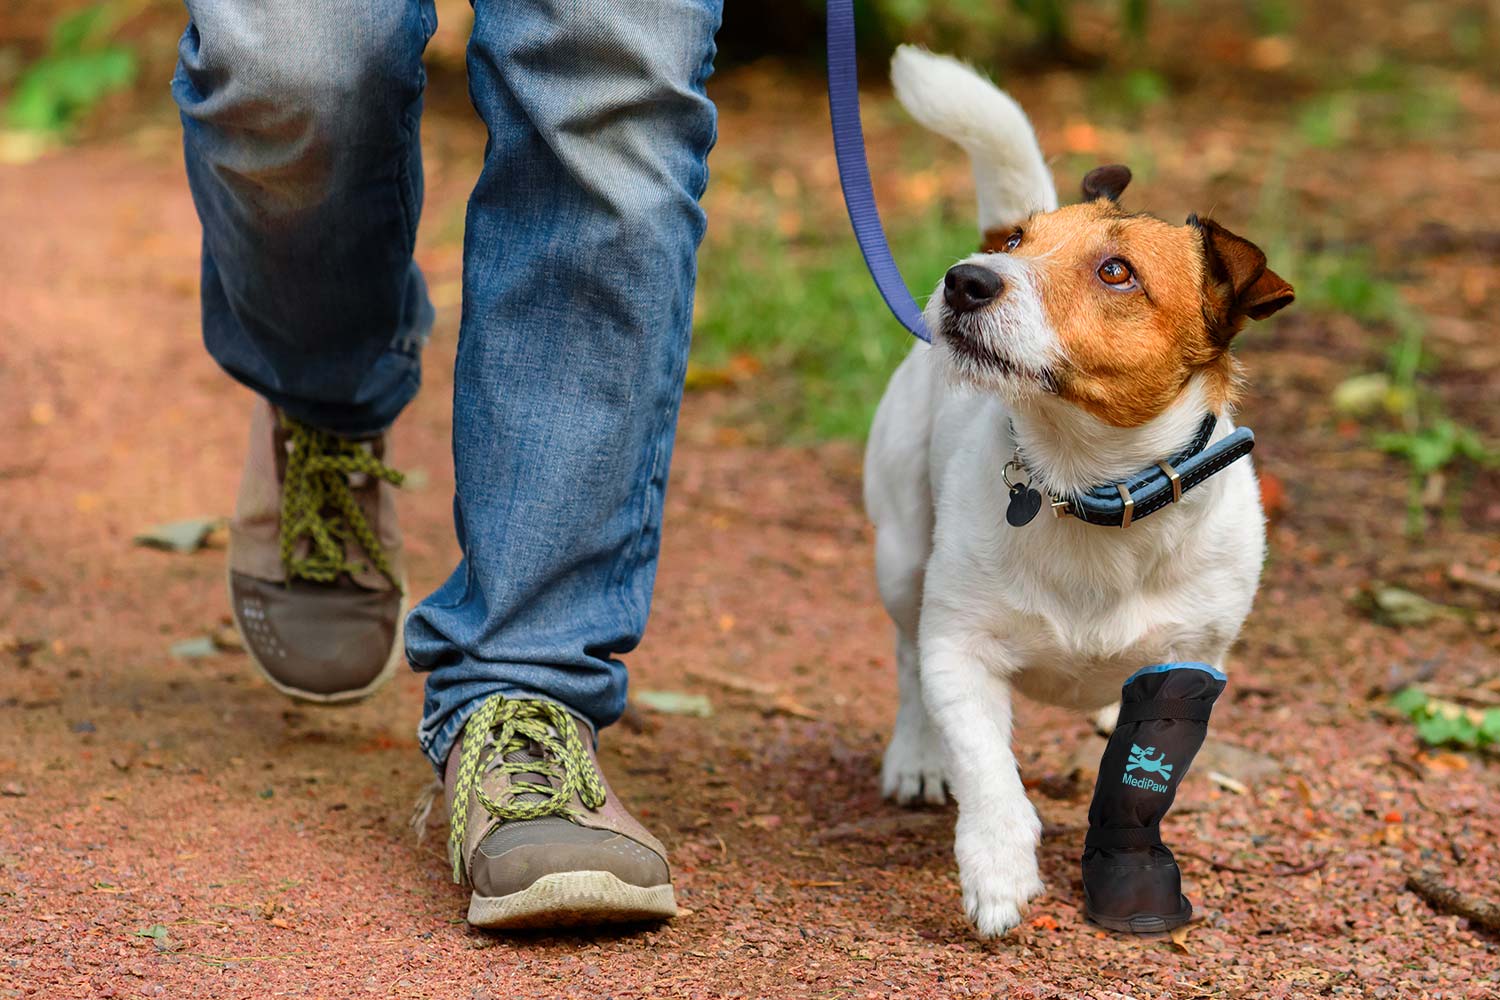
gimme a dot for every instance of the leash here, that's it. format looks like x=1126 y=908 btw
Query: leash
x=854 y=170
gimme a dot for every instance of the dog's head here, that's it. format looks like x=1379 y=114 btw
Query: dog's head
x=1112 y=311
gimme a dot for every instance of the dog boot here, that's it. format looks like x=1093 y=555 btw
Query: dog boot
x=1130 y=879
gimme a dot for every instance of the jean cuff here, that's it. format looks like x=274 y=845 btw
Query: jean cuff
x=437 y=745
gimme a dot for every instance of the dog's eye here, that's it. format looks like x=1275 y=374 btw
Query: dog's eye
x=1116 y=273
x=1013 y=241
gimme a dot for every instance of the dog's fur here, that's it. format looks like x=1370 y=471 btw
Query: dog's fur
x=1096 y=383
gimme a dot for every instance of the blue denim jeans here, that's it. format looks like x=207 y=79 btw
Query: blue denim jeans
x=301 y=133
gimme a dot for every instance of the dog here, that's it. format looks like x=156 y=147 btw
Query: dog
x=1081 y=345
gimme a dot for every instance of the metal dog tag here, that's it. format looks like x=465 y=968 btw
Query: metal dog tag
x=1023 y=506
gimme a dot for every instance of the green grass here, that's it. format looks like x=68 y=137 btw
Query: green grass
x=81 y=67
x=808 y=311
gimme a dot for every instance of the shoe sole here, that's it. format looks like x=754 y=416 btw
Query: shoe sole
x=336 y=697
x=1143 y=923
x=571 y=899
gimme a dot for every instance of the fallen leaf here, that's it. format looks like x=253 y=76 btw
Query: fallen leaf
x=1044 y=922
x=1080 y=137
x=1179 y=938
x=179 y=536
x=1270 y=53
x=675 y=703
x=1400 y=608
x=1227 y=783
x=228 y=638
x=787 y=705
x=733 y=683
x=1443 y=763
x=1273 y=495
x=1361 y=395
x=196 y=648
x=43 y=413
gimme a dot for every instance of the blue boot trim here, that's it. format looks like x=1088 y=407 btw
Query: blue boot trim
x=1161 y=668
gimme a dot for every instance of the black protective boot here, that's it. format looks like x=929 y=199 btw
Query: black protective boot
x=1130 y=879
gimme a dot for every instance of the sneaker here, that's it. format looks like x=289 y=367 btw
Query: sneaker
x=316 y=579
x=535 y=831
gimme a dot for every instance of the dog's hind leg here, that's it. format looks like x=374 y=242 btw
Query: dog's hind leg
x=1104 y=720
x=898 y=497
x=912 y=771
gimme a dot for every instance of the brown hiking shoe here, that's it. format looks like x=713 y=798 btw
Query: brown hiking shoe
x=537 y=833
x=315 y=568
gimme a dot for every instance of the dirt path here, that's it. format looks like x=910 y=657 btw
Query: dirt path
x=268 y=843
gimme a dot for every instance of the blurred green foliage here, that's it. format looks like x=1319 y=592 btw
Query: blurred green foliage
x=80 y=67
x=808 y=311
x=1444 y=724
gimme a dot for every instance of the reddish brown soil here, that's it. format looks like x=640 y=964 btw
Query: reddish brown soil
x=270 y=840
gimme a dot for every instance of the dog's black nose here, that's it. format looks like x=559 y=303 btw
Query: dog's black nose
x=969 y=286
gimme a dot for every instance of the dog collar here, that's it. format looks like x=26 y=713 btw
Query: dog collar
x=1121 y=503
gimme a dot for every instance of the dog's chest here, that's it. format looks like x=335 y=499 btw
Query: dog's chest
x=1068 y=610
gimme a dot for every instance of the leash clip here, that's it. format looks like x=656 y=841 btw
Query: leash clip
x=1020 y=466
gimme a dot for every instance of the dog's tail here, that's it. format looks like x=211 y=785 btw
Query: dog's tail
x=954 y=101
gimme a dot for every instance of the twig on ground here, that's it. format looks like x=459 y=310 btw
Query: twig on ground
x=1400 y=760
x=1480 y=580
x=1284 y=871
x=744 y=685
x=1473 y=696
x=1446 y=899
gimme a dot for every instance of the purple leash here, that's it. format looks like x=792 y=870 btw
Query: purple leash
x=854 y=170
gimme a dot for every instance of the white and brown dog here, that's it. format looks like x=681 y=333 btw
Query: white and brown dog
x=1081 y=345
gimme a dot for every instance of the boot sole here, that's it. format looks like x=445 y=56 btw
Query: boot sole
x=571 y=899
x=1143 y=923
x=335 y=697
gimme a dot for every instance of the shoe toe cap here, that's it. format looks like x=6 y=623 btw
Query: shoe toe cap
x=316 y=639
x=517 y=853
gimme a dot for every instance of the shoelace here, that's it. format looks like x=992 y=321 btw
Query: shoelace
x=503 y=726
x=318 y=504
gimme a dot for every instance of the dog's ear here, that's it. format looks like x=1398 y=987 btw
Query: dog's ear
x=1108 y=181
x=1237 y=284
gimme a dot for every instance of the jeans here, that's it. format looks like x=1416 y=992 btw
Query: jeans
x=300 y=126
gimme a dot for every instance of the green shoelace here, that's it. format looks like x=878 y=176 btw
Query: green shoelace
x=318 y=504
x=503 y=726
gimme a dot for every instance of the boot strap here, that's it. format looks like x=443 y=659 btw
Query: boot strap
x=1140 y=836
x=1164 y=708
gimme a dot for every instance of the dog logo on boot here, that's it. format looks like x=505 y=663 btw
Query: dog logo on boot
x=1140 y=760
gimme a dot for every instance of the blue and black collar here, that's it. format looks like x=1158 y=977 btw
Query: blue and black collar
x=1121 y=503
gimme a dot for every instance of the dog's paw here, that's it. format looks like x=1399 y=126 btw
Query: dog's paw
x=995 y=902
x=1105 y=719
x=999 y=875
x=912 y=772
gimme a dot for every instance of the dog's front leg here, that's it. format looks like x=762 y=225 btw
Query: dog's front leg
x=998 y=829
